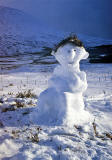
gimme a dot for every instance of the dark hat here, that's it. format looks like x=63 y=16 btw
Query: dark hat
x=69 y=40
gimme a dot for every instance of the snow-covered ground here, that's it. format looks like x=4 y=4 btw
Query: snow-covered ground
x=25 y=75
x=20 y=135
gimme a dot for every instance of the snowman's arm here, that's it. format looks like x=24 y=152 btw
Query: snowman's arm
x=83 y=76
x=83 y=84
x=84 y=81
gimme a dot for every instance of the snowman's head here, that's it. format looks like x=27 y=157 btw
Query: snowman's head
x=70 y=51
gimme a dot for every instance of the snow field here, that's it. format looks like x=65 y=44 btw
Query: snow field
x=22 y=138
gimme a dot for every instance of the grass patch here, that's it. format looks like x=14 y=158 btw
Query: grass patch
x=1 y=124
x=19 y=104
x=8 y=109
x=94 y=128
x=34 y=138
x=108 y=135
x=26 y=94
x=11 y=84
x=14 y=106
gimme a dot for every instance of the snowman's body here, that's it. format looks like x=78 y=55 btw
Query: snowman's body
x=62 y=103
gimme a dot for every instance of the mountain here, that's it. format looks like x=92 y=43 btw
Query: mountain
x=19 y=32
x=14 y=20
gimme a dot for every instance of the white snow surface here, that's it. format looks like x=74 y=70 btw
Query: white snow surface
x=62 y=102
x=22 y=138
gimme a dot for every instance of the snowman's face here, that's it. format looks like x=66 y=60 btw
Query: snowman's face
x=69 y=54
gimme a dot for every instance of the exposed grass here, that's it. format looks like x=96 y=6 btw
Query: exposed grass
x=14 y=106
x=34 y=138
x=15 y=134
x=19 y=104
x=104 y=136
x=94 y=128
x=108 y=135
x=8 y=109
x=10 y=93
x=1 y=101
x=1 y=124
x=26 y=94
x=11 y=84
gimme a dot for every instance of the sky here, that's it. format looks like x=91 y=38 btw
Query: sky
x=90 y=17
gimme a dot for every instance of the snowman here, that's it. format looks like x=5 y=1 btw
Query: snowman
x=62 y=102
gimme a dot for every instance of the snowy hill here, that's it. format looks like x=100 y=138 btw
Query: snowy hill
x=14 y=20
x=18 y=32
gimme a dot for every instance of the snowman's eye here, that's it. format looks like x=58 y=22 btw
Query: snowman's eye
x=74 y=50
